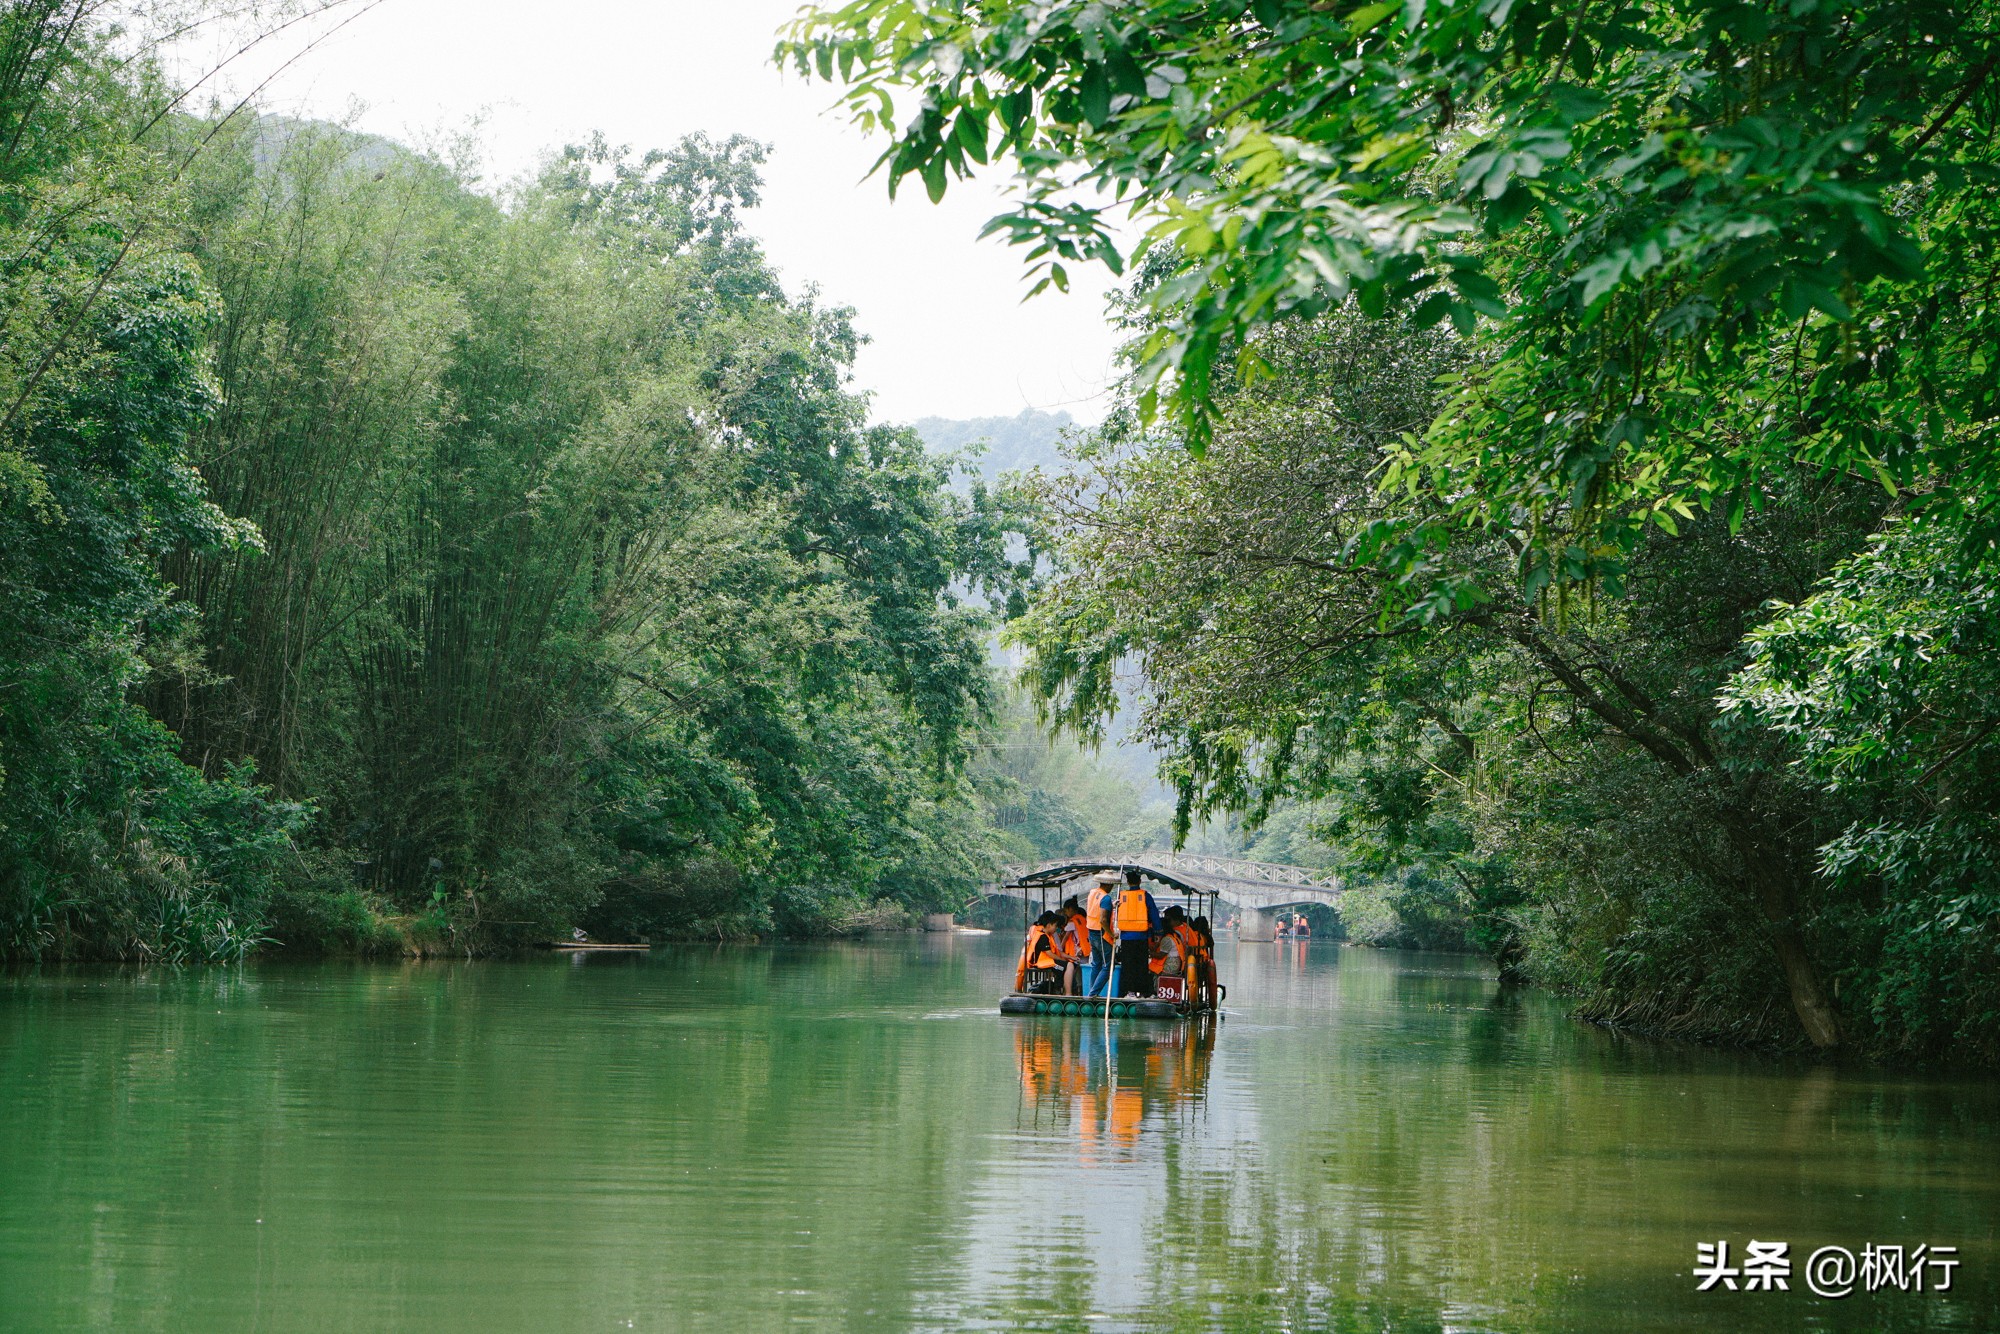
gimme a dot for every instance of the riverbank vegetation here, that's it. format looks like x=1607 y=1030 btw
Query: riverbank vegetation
x=391 y=564
x=1559 y=448
x=1556 y=486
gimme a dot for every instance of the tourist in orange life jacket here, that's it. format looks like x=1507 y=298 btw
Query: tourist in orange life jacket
x=1059 y=946
x=1074 y=936
x=1180 y=949
x=1170 y=956
x=1209 y=984
x=1040 y=968
x=1101 y=906
x=1137 y=920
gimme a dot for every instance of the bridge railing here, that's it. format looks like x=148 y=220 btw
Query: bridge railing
x=1237 y=868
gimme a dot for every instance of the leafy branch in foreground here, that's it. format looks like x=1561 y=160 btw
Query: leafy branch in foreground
x=1699 y=238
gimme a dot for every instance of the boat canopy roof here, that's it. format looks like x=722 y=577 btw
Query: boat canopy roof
x=1067 y=871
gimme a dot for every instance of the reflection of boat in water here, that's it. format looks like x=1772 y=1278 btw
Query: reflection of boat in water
x=1103 y=1083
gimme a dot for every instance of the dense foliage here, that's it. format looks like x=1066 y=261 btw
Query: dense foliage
x=1624 y=591
x=390 y=565
x=1696 y=220
x=107 y=840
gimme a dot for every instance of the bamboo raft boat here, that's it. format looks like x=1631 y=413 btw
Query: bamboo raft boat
x=1123 y=1007
x=1178 y=998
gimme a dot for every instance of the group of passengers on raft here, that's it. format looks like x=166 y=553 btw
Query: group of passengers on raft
x=1076 y=949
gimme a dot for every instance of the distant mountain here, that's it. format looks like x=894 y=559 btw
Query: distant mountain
x=270 y=136
x=1012 y=443
x=1027 y=441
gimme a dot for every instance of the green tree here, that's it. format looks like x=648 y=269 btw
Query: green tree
x=1556 y=778
x=1717 y=271
x=536 y=543
x=1885 y=680
x=584 y=571
x=108 y=843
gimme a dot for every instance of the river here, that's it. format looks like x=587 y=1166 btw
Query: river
x=847 y=1136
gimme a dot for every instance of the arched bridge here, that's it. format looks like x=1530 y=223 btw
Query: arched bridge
x=1247 y=884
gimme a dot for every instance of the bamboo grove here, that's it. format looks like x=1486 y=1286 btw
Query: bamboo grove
x=389 y=564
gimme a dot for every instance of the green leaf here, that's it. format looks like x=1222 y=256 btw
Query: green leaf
x=1801 y=296
x=1480 y=292
x=1095 y=92
x=1576 y=105
x=970 y=131
x=1506 y=212
x=1432 y=309
x=1600 y=276
x=1365 y=18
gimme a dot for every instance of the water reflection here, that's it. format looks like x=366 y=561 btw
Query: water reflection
x=1106 y=1084
x=849 y=1136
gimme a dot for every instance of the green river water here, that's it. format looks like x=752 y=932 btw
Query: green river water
x=850 y=1137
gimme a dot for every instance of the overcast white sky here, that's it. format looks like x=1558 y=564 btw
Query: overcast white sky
x=950 y=334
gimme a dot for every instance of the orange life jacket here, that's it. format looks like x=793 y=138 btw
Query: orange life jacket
x=1133 y=919
x=1094 y=911
x=1078 y=937
x=1194 y=958
x=1203 y=951
x=1037 y=952
x=1041 y=947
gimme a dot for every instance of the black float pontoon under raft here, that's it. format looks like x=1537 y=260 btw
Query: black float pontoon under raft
x=1125 y=1007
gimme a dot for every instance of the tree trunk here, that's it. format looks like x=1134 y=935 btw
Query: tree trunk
x=1511 y=957
x=1772 y=878
x=1809 y=999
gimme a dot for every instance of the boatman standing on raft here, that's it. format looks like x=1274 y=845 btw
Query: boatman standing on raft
x=1137 y=921
x=1100 y=908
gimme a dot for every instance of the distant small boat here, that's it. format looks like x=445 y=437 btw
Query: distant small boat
x=573 y=945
